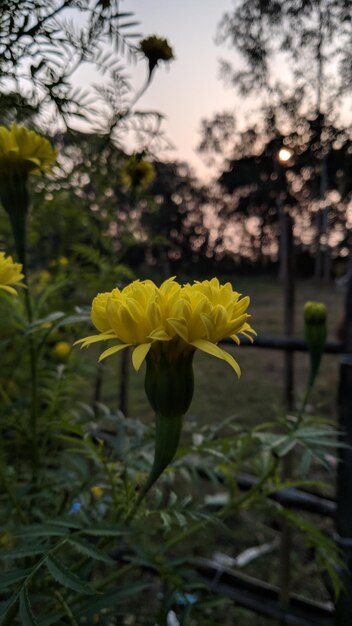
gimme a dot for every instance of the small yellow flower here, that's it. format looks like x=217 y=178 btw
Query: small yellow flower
x=61 y=350
x=137 y=173
x=44 y=277
x=7 y=540
x=97 y=491
x=23 y=151
x=63 y=261
x=170 y=321
x=10 y=274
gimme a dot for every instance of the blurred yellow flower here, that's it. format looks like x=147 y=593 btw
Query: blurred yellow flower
x=63 y=261
x=23 y=151
x=170 y=321
x=137 y=173
x=61 y=350
x=44 y=277
x=97 y=491
x=46 y=325
x=10 y=274
x=7 y=540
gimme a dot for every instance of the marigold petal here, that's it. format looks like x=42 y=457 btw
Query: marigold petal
x=159 y=334
x=86 y=341
x=180 y=327
x=139 y=354
x=112 y=350
x=10 y=290
x=214 y=350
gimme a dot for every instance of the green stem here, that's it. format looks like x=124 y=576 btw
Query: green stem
x=66 y=608
x=167 y=437
x=304 y=401
x=33 y=356
x=18 y=220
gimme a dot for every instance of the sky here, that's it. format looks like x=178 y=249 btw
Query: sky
x=189 y=88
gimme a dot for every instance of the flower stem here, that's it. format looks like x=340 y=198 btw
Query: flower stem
x=167 y=437
x=18 y=219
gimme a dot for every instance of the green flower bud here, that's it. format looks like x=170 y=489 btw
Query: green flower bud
x=169 y=386
x=315 y=335
x=314 y=312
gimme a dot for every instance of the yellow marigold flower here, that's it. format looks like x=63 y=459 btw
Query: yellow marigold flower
x=97 y=491
x=10 y=274
x=171 y=320
x=165 y=325
x=137 y=173
x=61 y=350
x=24 y=151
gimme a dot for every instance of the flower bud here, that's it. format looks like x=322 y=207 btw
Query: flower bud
x=156 y=49
x=315 y=335
x=169 y=387
x=314 y=312
x=62 y=350
x=169 y=384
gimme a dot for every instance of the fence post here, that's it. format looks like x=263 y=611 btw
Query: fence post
x=344 y=472
x=289 y=309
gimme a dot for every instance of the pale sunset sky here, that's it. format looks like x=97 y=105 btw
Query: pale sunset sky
x=189 y=88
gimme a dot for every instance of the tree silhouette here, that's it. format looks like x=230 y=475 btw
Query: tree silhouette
x=305 y=43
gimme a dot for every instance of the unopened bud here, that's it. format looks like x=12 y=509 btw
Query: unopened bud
x=315 y=335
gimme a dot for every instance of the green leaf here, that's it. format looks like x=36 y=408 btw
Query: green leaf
x=26 y=612
x=8 y=610
x=106 y=530
x=22 y=551
x=66 y=578
x=88 y=549
x=112 y=598
x=305 y=463
x=66 y=523
x=283 y=448
x=166 y=519
x=75 y=319
x=42 y=530
x=48 y=319
x=13 y=577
